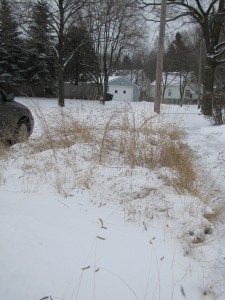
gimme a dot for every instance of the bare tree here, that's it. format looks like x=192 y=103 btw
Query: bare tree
x=64 y=14
x=210 y=15
x=115 y=27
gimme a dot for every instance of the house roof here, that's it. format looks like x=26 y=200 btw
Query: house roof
x=173 y=79
x=111 y=78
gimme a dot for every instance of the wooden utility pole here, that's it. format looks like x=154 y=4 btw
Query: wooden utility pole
x=160 y=56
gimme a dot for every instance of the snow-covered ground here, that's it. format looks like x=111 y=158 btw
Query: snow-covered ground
x=120 y=234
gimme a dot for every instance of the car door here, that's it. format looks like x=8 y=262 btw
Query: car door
x=7 y=113
x=2 y=115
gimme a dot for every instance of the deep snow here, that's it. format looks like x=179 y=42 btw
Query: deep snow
x=88 y=245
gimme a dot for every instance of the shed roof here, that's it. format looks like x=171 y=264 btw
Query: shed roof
x=113 y=78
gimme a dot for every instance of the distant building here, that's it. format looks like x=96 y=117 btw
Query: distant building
x=176 y=87
x=123 y=89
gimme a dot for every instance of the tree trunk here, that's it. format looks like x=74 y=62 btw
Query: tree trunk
x=61 y=101
x=206 y=107
x=61 y=69
x=209 y=76
x=105 y=88
x=61 y=75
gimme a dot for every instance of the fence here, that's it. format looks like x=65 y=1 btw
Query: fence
x=176 y=101
x=87 y=92
x=71 y=91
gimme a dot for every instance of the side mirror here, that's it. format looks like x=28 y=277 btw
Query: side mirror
x=10 y=97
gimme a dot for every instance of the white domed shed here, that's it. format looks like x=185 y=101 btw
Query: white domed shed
x=123 y=89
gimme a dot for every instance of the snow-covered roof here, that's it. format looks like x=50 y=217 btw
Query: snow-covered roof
x=114 y=77
x=172 y=79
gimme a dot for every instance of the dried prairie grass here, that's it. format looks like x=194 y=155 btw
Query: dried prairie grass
x=128 y=138
x=151 y=144
x=53 y=155
x=3 y=155
x=61 y=134
x=125 y=138
x=3 y=150
x=181 y=159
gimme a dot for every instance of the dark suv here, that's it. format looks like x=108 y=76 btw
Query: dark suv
x=16 y=120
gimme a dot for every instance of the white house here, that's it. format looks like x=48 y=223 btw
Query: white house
x=172 y=84
x=123 y=89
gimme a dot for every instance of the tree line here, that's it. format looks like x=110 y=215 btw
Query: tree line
x=35 y=49
x=209 y=16
x=46 y=43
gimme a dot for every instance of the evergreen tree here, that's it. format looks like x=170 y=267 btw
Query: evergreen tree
x=78 y=44
x=11 y=50
x=170 y=59
x=150 y=65
x=126 y=63
x=40 y=72
x=178 y=56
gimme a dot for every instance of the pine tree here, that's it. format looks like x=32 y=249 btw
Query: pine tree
x=170 y=59
x=11 y=57
x=178 y=56
x=77 y=43
x=40 y=73
x=126 y=63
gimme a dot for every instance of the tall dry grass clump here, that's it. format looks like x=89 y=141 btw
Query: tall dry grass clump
x=3 y=154
x=61 y=130
x=152 y=143
x=54 y=151
x=180 y=158
x=3 y=150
